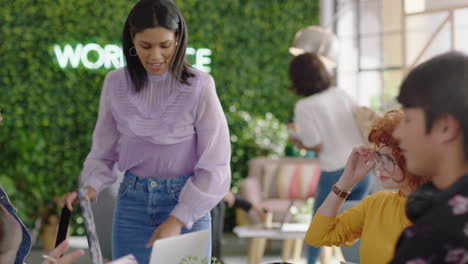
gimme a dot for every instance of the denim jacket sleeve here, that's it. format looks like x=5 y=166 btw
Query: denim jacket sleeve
x=25 y=245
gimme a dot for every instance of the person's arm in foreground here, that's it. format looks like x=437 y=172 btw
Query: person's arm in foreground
x=55 y=254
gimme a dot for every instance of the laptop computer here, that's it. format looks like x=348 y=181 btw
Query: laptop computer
x=186 y=248
x=284 y=220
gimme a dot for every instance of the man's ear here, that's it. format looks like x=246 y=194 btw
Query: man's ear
x=446 y=128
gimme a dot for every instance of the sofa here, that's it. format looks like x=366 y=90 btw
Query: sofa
x=276 y=183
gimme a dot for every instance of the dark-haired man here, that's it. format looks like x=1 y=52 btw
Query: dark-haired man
x=434 y=138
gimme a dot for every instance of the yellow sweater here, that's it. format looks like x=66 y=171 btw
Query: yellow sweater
x=378 y=220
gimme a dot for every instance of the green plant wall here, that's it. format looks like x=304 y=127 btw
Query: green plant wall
x=49 y=112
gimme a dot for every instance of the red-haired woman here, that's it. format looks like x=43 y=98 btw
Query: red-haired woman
x=379 y=219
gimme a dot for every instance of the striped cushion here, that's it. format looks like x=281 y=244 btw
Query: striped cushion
x=290 y=181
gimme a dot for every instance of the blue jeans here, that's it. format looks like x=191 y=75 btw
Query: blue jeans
x=142 y=205
x=327 y=179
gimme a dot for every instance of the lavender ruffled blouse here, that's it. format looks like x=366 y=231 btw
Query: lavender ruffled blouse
x=168 y=130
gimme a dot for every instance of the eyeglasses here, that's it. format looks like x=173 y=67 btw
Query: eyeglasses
x=386 y=161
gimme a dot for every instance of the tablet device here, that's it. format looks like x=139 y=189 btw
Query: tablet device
x=63 y=226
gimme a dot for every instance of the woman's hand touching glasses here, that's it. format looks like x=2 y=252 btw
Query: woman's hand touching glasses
x=360 y=162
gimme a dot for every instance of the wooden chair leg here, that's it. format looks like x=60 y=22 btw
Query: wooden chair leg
x=261 y=249
x=338 y=253
x=286 y=252
x=256 y=250
x=325 y=255
x=269 y=244
x=252 y=251
x=298 y=243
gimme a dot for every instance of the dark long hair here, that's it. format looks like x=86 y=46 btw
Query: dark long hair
x=149 y=14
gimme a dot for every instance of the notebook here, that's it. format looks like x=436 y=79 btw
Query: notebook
x=186 y=248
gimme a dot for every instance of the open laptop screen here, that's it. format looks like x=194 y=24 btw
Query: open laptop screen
x=186 y=248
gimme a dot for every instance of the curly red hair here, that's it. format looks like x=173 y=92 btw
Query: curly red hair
x=381 y=134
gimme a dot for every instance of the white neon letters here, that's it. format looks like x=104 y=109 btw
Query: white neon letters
x=93 y=56
x=201 y=58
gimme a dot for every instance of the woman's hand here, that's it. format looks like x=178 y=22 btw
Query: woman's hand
x=70 y=197
x=169 y=228
x=67 y=259
x=229 y=198
x=360 y=162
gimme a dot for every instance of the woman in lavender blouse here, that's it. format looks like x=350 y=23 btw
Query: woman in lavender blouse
x=160 y=121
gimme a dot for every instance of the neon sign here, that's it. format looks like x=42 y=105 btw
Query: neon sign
x=93 y=56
